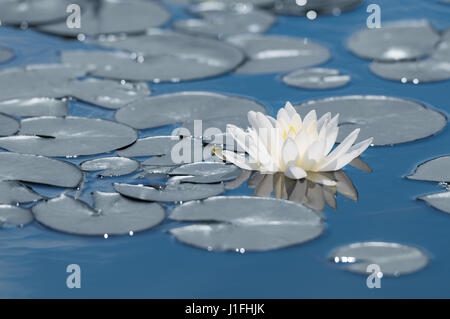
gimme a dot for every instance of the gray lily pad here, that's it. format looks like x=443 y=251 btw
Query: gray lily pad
x=436 y=170
x=184 y=106
x=108 y=93
x=257 y=3
x=6 y=55
x=227 y=22
x=38 y=169
x=149 y=146
x=322 y=7
x=113 y=215
x=159 y=56
x=8 y=125
x=111 y=166
x=174 y=191
x=392 y=258
x=207 y=172
x=272 y=54
x=14 y=215
x=113 y=16
x=16 y=12
x=68 y=136
x=13 y=192
x=402 y=40
x=389 y=120
x=439 y=201
x=37 y=106
x=40 y=80
x=246 y=223
x=316 y=78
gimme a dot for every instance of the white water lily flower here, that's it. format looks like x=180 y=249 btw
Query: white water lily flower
x=288 y=144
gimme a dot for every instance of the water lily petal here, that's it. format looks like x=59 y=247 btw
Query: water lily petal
x=353 y=152
x=252 y=119
x=289 y=152
x=295 y=172
x=313 y=155
x=290 y=109
x=323 y=121
x=310 y=118
x=239 y=159
x=282 y=115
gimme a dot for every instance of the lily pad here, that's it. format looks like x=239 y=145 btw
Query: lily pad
x=173 y=192
x=111 y=166
x=13 y=192
x=184 y=106
x=272 y=54
x=257 y=3
x=113 y=16
x=68 y=136
x=396 y=41
x=246 y=223
x=389 y=120
x=16 y=12
x=316 y=78
x=206 y=172
x=8 y=125
x=6 y=55
x=148 y=146
x=394 y=259
x=437 y=170
x=14 y=215
x=322 y=7
x=37 y=106
x=113 y=215
x=108 y=93
x=38 y=169
x=159 y=56
x=439 y=201
x=227 y=22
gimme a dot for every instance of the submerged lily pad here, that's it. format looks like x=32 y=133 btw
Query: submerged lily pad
x=38 y=169
x=184 y=106
x=241 y=223
x=14 y=215
x=113 y=215
x=107 y=93
x=113 y=16
x=394 y=259
x=439 y=201
x=437 y=170
x=389 y=120
x=227 y=22
x=111 y=166
x=316 y=78
x=8 y=125
x=37 y=106
x=206 y=172
x=68 y=136
x=16 y=12
x=402 y=40
x=159 y=56
x=271 y=54
x=322 y=7
x=13 y=192
x=5 y=54
x=173 y=192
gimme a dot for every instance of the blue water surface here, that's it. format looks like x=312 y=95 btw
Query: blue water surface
x=152 y=264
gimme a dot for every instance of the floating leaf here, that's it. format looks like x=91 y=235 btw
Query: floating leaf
x=184 y=106
x=113 y=215
x=257 y=3
x=392 y=258
x=8 y=125
x=389 y=120
x=38 y=106
x=241 y=223
x=401 y=40
x=68 y=136
x=111 y=166
x=272 y=54
x=207 y=172
x=113 y=16
x=439 y=201
x=6 y=55
x=173 y=192
x=17 y=12
x=148 y=146
x=316 y=78
x=14 y=215
x=13 y=192
x=437 y=170
x=38 y=169
x=322 y=7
